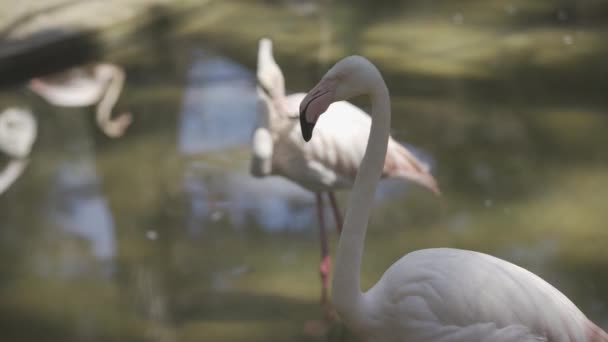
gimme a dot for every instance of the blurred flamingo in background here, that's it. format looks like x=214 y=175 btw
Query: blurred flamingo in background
x=99 y=84
x=437 y=294
x=328 y=163
x=18 y=130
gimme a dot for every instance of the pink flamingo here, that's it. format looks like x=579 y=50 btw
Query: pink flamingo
x=438 y=294
x=328 y=163
x=99 y=84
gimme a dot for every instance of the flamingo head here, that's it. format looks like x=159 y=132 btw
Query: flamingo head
x=350 y=77
x=313 y=105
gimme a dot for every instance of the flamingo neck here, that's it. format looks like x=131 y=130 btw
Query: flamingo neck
x=346 y=288
x=112 y=92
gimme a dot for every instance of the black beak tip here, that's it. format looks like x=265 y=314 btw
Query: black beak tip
x=306 y=127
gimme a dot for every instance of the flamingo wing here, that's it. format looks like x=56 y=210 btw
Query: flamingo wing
x=78 y=92
x=447 y=294
x=332 y=158
x=76 y=87
x=401 y=163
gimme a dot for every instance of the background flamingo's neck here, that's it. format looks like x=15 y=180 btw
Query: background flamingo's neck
x=269 y=71
x=110 y=95
x=346 y=289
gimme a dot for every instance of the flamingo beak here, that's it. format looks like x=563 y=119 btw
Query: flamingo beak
x=311 y=108
x=306 y=127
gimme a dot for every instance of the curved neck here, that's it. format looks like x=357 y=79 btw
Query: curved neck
x=107 y=102
x=346 y=289
x=269 y=70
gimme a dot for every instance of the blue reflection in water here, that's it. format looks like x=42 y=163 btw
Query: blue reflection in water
x=273 y=202
x=218 y=110
x=199 y=199
x=76 y=204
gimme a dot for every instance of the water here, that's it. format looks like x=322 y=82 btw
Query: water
x=162 y=235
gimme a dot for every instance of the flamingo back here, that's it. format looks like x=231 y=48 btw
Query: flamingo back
x=447 y=294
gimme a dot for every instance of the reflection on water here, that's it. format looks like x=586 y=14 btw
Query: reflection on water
x=76 y=204
x=163 y=235
x=217 y=107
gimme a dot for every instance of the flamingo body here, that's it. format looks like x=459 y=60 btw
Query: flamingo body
x=330 y=161
x=75 y=87
x=448 y=294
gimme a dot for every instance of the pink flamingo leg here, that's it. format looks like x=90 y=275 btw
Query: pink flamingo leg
x=325 y=265
x=336 y=210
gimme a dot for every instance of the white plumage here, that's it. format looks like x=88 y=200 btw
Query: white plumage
x=458 y=295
